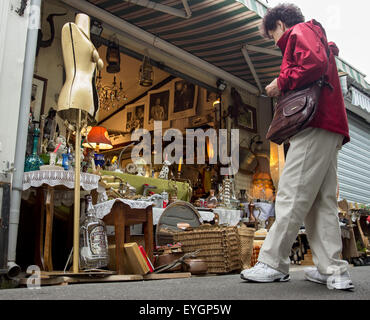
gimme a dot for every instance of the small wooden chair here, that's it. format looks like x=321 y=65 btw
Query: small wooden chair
x=122 y=216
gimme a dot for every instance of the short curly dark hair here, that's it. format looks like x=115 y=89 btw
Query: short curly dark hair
x=288 y=13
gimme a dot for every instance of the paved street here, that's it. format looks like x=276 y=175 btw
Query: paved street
x=228 y=287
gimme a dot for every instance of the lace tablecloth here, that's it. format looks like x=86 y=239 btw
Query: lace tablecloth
x=54 y=178
x=104 y=208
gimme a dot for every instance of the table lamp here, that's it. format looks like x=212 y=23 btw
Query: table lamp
x=97 y=139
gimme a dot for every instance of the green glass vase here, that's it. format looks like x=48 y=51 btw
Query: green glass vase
x=33 y=162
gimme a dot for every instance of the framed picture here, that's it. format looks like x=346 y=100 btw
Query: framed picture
x=38 y=95
x=184 y=100
x=134 y=116
x=247 y=118
x=208 y=98
x=159 y=102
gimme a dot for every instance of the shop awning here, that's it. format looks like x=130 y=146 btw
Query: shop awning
x=360 y=99
x=355 y=74
x=224 y=33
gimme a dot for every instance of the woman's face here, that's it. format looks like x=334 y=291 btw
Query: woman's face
x=278 y=32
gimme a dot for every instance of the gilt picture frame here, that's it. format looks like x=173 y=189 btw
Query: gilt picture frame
x=38 y=96
x=208 y=98
x=247 y=118
x=185 y=98
x=134 y=116
x=159 y=103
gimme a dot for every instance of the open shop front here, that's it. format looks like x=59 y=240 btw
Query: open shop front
x=158 y=215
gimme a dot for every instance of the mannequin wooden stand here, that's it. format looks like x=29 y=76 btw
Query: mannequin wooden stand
x=76 y=226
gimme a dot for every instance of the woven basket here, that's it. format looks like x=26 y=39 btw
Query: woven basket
x=219 y=246
x=246 y=245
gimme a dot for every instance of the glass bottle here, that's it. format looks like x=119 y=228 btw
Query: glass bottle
x=33 y=162
x=93 y=240
x=65 y=163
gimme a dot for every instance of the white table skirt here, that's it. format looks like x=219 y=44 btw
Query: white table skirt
x=61 y=197
x=35 y=179
x=54 y=178
x=104 y=208
x=229 y=216
x=267 y=210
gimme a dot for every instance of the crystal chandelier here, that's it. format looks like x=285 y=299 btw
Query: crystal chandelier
x=110 y=97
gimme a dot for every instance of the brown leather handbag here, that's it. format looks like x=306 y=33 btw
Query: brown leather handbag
x=293 y=112
x=295 y=109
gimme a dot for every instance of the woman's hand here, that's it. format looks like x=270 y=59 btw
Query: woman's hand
x=272 y=89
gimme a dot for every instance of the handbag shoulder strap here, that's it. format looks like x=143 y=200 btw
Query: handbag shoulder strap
x=323 y=40
x=327 y=49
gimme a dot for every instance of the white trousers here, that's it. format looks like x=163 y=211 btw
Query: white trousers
x=307 y=195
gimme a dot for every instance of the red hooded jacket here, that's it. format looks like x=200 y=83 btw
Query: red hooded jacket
x=305 y=61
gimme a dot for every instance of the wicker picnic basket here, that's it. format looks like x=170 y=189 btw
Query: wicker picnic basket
x=219 y=246
x=246 y=245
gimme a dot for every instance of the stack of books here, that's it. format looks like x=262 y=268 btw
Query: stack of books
x=136 y=259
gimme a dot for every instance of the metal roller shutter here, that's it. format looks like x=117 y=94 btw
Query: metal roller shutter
x=354 y=163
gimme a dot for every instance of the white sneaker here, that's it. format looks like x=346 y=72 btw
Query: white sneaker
x=263 y=273
x=336 y=281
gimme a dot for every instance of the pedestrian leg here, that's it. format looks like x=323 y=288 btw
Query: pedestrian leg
x=322 y=226
x=307 y=163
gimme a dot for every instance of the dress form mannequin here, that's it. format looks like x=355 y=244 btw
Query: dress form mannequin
x=80 y=61
x=76 y=98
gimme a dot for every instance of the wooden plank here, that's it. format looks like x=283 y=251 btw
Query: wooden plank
x=112 y=278
x=161 y=276
x=45 y=281
x=85 y=278
x=103 y=273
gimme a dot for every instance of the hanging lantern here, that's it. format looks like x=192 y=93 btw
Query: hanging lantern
x=113 y=56
x=146 y=73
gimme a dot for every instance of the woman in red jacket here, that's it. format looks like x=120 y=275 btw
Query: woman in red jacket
x=307 y=187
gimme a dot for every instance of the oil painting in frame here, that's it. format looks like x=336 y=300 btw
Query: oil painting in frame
x=208 y=98
x=38 y=95
x=134 y=116
x=247 y=118
x=158 y=108
x=185 y=98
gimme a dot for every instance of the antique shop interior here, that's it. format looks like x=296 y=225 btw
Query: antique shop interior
x=166 y=217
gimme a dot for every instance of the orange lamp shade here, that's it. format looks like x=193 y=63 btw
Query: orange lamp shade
x=98 y=139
